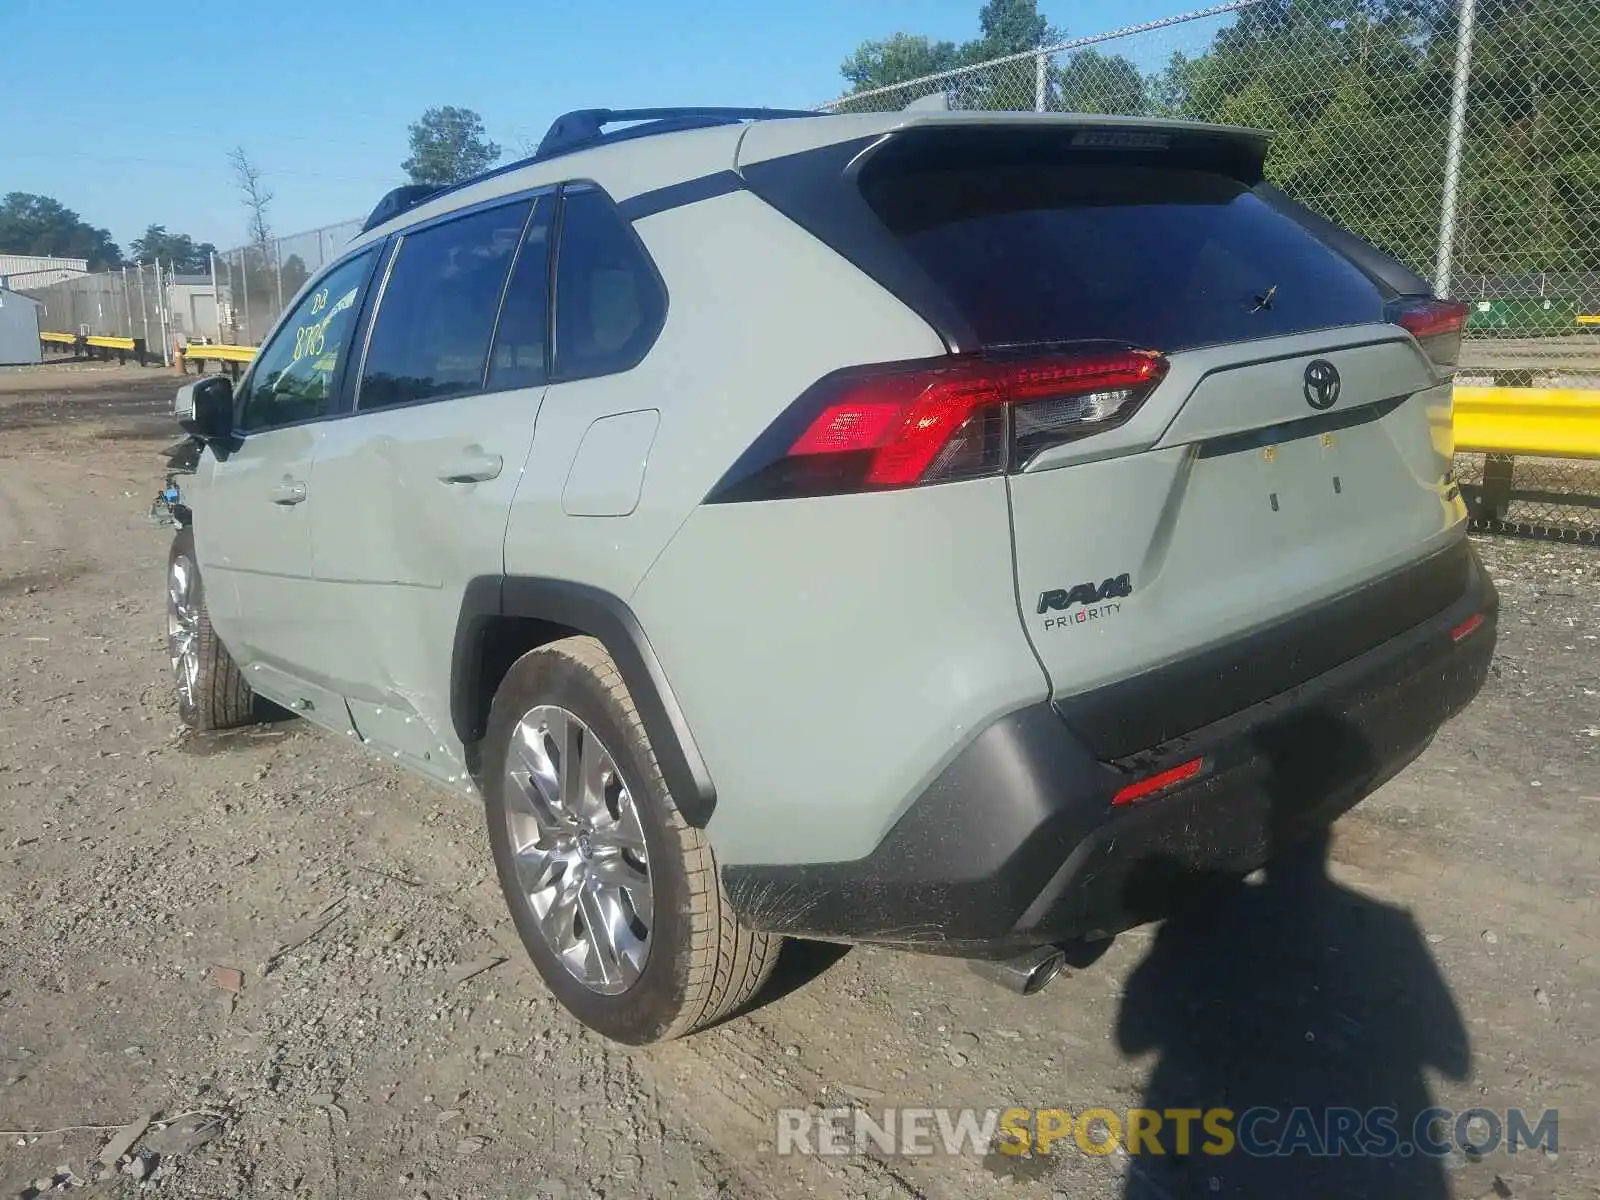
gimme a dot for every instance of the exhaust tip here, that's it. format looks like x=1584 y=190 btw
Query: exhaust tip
x=1026 y=974
x=1042 y=974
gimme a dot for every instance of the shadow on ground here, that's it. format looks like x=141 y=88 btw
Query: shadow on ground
x=1294 y=994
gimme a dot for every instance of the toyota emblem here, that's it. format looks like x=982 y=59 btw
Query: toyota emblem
x=1322 y=383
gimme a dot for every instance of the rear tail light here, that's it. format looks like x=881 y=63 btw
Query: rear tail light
x=898 y=425
x=1436 y=324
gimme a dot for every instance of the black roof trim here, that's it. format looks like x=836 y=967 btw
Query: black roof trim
x=579 y=130
x=585 y=127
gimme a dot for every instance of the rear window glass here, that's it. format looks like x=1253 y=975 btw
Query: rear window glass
x=1166 y=259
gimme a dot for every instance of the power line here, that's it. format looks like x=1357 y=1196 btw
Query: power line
x=196 y=168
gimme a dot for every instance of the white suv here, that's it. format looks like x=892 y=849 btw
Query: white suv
x=947 y=530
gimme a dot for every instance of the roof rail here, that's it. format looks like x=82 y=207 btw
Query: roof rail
x=579 y=130
x=585 y=126
x=397 y=201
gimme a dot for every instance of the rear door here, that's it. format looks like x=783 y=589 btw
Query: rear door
x=415 y=486
x=1293 y=445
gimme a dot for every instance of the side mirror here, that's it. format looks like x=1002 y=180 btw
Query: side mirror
x=204 y=408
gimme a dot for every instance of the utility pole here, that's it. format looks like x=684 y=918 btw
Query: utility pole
x=1452 y=158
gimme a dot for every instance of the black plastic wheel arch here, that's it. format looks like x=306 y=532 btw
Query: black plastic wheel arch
x=602 y=616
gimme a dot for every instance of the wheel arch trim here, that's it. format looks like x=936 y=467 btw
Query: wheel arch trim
x=607 y=618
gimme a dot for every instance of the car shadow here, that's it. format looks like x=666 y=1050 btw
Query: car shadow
x=1294 y=993
x=799 y=962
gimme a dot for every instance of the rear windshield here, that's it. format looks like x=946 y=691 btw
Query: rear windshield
x=1164 y=258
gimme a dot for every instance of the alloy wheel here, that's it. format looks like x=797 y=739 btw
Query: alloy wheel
x=183 y=628
x=579 y=849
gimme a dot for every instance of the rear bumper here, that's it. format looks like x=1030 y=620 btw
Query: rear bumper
x=1017 y=843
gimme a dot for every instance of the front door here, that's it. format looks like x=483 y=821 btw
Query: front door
x=253 y=504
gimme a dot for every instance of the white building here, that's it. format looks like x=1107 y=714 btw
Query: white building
x=28 y=271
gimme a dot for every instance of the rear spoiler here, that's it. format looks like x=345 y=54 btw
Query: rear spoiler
x=1239 y=150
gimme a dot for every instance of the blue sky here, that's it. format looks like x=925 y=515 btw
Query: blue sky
x=118 y=112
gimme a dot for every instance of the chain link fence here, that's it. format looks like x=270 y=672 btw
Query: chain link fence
x=236 y=300
x=130 y=302
x=255 y=282
x=1461 y=136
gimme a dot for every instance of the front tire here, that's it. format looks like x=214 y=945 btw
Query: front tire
x=616 y=898
x=211 y=690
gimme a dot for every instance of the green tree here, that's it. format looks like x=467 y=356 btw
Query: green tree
x=896 y=59
x=1092 y=82
x=294 y=275
x=1009 y=27
x=448 y=145
x=31 y=224
x=178 y=250
x=1005 y=27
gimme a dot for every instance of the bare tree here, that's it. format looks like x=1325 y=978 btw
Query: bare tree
x=255 y=194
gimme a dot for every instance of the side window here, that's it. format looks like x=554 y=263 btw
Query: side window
x=518 y=359
x=295 y=375
x=609 y=301
x=430 y=339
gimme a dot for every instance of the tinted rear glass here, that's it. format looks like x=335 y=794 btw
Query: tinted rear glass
x=1166 y=259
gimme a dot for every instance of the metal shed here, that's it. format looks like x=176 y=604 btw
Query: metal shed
x=19 y=328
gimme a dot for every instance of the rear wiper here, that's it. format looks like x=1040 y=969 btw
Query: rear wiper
x=1264 y=301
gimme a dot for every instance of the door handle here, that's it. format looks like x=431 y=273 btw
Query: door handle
x=290 y=491
x=471 y=468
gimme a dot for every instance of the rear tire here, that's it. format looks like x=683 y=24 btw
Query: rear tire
x=697 y=964
x=211 y=690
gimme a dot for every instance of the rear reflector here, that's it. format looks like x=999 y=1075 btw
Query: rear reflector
x=936 y=420
x=1436 y=324
x=1159 y=782
x=1467 y=628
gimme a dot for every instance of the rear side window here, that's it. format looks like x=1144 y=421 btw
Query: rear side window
x=430 y=339
x=1165 y=258
x=609 y=300
x=521 y=339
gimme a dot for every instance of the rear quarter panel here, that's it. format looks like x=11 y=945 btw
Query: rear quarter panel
x=834 y=654
x=757 y=310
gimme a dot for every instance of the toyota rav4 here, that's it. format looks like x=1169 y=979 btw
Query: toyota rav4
x=943 y=530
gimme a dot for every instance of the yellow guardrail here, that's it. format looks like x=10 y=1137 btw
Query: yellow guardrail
x=220 y=353
x=1589 y=320
x=1549 y=422
x=97 y=345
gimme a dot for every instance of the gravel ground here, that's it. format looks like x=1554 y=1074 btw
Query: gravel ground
x=293 y=960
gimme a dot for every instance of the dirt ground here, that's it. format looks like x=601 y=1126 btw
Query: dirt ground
x=265 y=934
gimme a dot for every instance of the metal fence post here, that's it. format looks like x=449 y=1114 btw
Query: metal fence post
x=1452 y=158
x=161 y=310
x=233 y=303
x=216 y=295
x=277 y=270
x=127 y=306
x=144 y=310
x=1040 y=74
x=244 y=271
